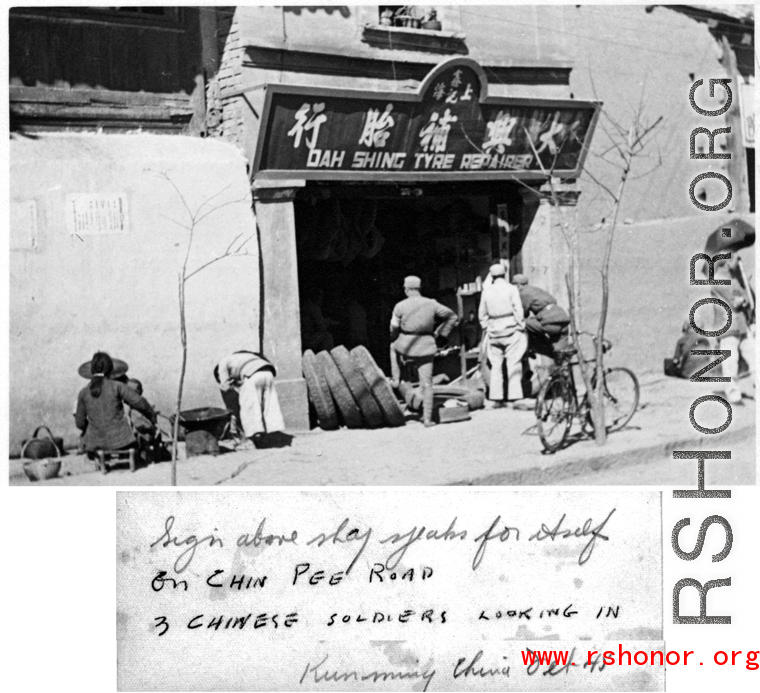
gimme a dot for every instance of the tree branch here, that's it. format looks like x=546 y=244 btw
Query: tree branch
x=600 y=184
x=214 y=196
x=218 y=207
x=640 y=139
x=174 y=221
x=211 y=262
x=163 y=174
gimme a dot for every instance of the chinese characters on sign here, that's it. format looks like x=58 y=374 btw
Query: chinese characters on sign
x=95 y=214
x=306 y=122
x=456 y=90
x=499 y=132
x=449 y=126
x=434 y=135
x=375 y=133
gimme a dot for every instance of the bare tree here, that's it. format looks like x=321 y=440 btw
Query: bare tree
x=236 y=248
x=627 y=144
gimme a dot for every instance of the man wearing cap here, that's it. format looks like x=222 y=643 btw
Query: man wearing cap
x=414 y=334
x=501 y=317
x=546 y=324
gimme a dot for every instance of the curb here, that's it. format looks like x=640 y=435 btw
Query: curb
x=528 y=476
x=541 y=476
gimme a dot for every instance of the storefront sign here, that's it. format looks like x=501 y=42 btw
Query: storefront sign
x=449 y=129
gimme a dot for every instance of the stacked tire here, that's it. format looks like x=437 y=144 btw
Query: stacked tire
x=347 y=388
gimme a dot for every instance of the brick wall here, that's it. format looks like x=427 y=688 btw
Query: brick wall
x=228 y=79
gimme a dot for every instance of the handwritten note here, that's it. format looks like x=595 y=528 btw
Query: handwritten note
x=427 y=589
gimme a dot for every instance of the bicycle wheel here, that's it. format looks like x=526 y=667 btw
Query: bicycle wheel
x=554 y=412
x=621 y=398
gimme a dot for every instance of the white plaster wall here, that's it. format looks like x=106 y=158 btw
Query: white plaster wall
x=71 y=296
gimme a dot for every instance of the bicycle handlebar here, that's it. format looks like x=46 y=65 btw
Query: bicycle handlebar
x=606 y=343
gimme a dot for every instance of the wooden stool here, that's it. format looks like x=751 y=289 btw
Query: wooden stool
x=104 y=456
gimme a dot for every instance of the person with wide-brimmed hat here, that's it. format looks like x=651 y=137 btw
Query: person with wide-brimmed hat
x=416 y=325
x=100 y=413
x=501 y=317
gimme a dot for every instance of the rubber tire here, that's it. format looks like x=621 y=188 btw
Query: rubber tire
x=378 y=386
x=371 y=413
x=551 y=384
x=319 y=393
x=637 y=394
x=339 y=390
x=637 y=390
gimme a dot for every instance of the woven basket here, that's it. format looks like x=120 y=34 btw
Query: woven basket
x=39 y=470
x=38 y=448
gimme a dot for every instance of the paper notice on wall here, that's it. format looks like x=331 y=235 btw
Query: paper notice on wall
x=397 y=590
x=23 y=225
x=97 y=214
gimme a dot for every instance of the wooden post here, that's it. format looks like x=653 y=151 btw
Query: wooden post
x=279 y=315
x=462 y=346
x=460 y=313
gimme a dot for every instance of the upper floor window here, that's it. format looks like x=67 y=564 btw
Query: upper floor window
x=410 y=16
x=146 y=13
x=161 y=11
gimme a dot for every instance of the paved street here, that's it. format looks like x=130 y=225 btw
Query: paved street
x=665 y=471
x=494 y=447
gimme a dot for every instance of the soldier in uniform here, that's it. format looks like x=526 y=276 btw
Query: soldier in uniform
x=417 y=324
x=546 y=324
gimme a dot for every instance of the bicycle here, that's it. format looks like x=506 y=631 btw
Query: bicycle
x=558 y=402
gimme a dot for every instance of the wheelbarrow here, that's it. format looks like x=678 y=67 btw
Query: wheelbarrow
x=203 y=424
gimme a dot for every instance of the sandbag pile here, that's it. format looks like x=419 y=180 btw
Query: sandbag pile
x=348 y=388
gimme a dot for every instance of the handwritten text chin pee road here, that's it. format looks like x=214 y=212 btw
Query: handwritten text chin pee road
x=584 y=533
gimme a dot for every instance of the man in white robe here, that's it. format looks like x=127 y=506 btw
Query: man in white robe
x=501 y=317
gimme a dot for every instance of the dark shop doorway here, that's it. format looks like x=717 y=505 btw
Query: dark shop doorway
x=356 y=243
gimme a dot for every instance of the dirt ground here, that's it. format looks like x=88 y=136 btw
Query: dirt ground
x=494 y=447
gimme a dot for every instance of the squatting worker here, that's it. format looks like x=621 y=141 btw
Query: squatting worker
x=546 y=324
x=501 y=317
x=246 y=380
x=414 y=334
